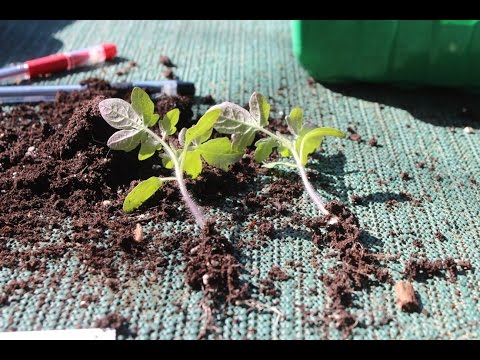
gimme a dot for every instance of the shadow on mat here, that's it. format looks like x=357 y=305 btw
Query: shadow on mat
x=35 y=37
x=437 y=106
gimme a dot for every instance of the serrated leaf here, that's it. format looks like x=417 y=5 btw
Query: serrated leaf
x=169 y=121
x=219 y=153
x=264 y=148
x=241 y=141
x=311 y=139
x=203 y=138
x=295 y=121
x=166 y=161
x=239 y=122
x=125 y=140
x=259 y=109
x=148 y=148
x=233 y=119
x=141 y=193
x=193 y=163
x=202 y=127
x=143 y=105
x=284 y=151
x=119 y=114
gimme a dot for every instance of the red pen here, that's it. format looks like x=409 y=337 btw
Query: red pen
x=58 y=62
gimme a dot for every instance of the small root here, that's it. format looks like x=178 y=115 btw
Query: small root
x=254 y=304
x=207 y=319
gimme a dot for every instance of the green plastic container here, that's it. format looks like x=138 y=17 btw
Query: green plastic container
x=408 y=52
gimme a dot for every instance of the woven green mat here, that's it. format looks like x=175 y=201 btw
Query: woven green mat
x=230 y=60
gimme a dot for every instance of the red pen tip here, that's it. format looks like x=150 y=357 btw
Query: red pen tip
x=110 y=50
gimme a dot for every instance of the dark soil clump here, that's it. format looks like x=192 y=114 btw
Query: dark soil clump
x=213 y=267
x=276 y=273
x=359 y=268
x=422 y=269
x=166 y=61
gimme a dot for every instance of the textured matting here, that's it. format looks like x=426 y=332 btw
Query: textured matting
x=230 y=60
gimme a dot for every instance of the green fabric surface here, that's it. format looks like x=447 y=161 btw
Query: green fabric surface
x=230 y=60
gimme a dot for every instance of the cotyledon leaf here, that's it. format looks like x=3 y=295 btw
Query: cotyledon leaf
x=141 y=193
x=310 y=139
x=119 y=114
x=125 y=140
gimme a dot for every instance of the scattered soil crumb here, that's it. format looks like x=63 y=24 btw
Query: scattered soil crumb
x=439 y=236
x=127 y=68
x=373 y=142
x=166 y=61
x=417 y=243
x=356 y=199
x=405 y=176
x=354 y=136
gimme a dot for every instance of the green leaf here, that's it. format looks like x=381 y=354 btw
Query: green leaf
x=264 y=148
x=140 y=193
x=193 y=163
x=241 y=123
x=203 y=138
x=143 y=105
x=241 y=141
x=233 y=118
x=148 y=148
x=166 y=161
x=219 y=153
x=310 y=139
x=295 y=120
x=125 y=140
x=169 y=121
x=119 y=114
x=284 y=151
x=202 y=127
x=259 y=109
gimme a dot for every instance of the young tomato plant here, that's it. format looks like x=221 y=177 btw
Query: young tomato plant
x=134 y=122
x=243 y=125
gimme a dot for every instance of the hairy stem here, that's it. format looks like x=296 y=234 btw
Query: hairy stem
x=314 y=195
x=316 y=198
x=192 y=206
